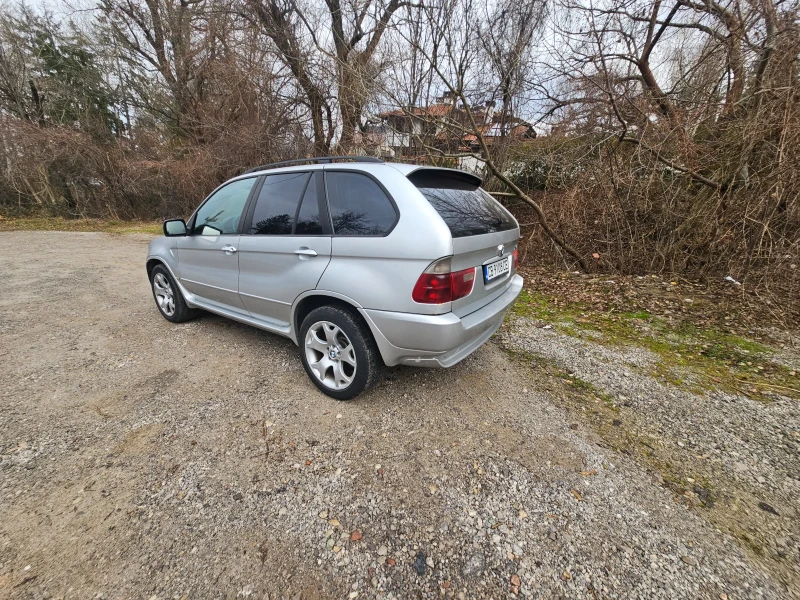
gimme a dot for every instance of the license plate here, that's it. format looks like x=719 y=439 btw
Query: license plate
x=496 y=269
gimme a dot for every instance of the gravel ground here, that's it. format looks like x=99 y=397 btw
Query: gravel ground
x=742 y=453
x=140 y=459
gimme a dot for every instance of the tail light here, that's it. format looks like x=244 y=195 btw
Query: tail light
x=515 y=258
x=438 y=285
x=462 y=282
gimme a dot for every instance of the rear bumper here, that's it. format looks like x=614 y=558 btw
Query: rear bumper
x=437 y=340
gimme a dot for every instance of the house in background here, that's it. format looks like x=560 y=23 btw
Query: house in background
x=441 y=127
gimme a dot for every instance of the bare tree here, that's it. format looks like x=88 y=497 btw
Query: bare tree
x=459 y=61
x=159 y=37
x=16 y=93
x=281 y=21
x=690 y=137
x=348 y=54
x=507 y=37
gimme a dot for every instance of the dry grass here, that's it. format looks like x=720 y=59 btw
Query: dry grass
x=61 y=224
x=693 y=351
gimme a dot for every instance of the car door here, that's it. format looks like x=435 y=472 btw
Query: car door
x=208 y=256
x=285 y=244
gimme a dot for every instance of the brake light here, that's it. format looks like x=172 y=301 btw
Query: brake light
x=433 y=289
x=438 y=286
x=515 y=258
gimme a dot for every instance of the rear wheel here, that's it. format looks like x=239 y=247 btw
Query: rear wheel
x=338 y=352
x=168 y=296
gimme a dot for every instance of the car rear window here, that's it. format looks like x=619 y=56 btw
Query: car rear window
x=465 y=208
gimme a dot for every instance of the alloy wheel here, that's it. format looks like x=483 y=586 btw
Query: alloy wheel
x=330 y=355
x=164 y=294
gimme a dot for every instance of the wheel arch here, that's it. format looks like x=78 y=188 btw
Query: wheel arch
x=316 y=298
x=307 y=302
x=151 y=264
x=153 y=261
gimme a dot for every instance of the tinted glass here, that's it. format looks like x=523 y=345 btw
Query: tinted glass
x=277 y=204
x=308 y=222
x=358 y=205
x=464 y=207
x=221 y=213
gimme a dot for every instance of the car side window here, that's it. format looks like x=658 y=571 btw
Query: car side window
x=277 y=204
x=358 y=205
x=221 y=213
x=308 y=221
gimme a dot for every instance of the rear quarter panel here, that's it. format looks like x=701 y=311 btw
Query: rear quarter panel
x=380 y=272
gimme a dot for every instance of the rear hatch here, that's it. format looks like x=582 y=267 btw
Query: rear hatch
x=485 y=234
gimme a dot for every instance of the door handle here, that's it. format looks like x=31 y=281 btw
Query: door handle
x=305 y=252
x=228 y=249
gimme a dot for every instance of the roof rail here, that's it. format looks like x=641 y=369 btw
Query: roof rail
x=319 y=159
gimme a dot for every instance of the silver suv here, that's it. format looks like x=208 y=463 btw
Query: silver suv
x=359 y=263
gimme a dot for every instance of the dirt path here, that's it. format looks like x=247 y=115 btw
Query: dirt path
x=141 y=459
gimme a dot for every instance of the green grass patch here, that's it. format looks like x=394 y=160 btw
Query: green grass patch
x=618 y=431
x=754 y=546
x=692 y=357
x=536 y=306
x=61 y=224
x=586 y=392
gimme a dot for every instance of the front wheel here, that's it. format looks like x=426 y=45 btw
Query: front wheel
x=338 y=352
x=168 y=296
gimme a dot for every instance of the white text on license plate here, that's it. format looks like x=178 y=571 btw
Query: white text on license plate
x=494 y=270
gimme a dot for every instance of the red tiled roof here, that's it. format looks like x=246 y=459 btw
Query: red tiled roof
x=519 y=130
x=440 y=110
x=516 y=128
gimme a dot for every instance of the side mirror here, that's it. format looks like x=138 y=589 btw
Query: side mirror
x=174 y=227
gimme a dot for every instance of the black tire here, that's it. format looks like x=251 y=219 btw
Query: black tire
x=181 y=311
x=368 y=360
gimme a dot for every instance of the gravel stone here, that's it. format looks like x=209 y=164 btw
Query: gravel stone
x=198 y=460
